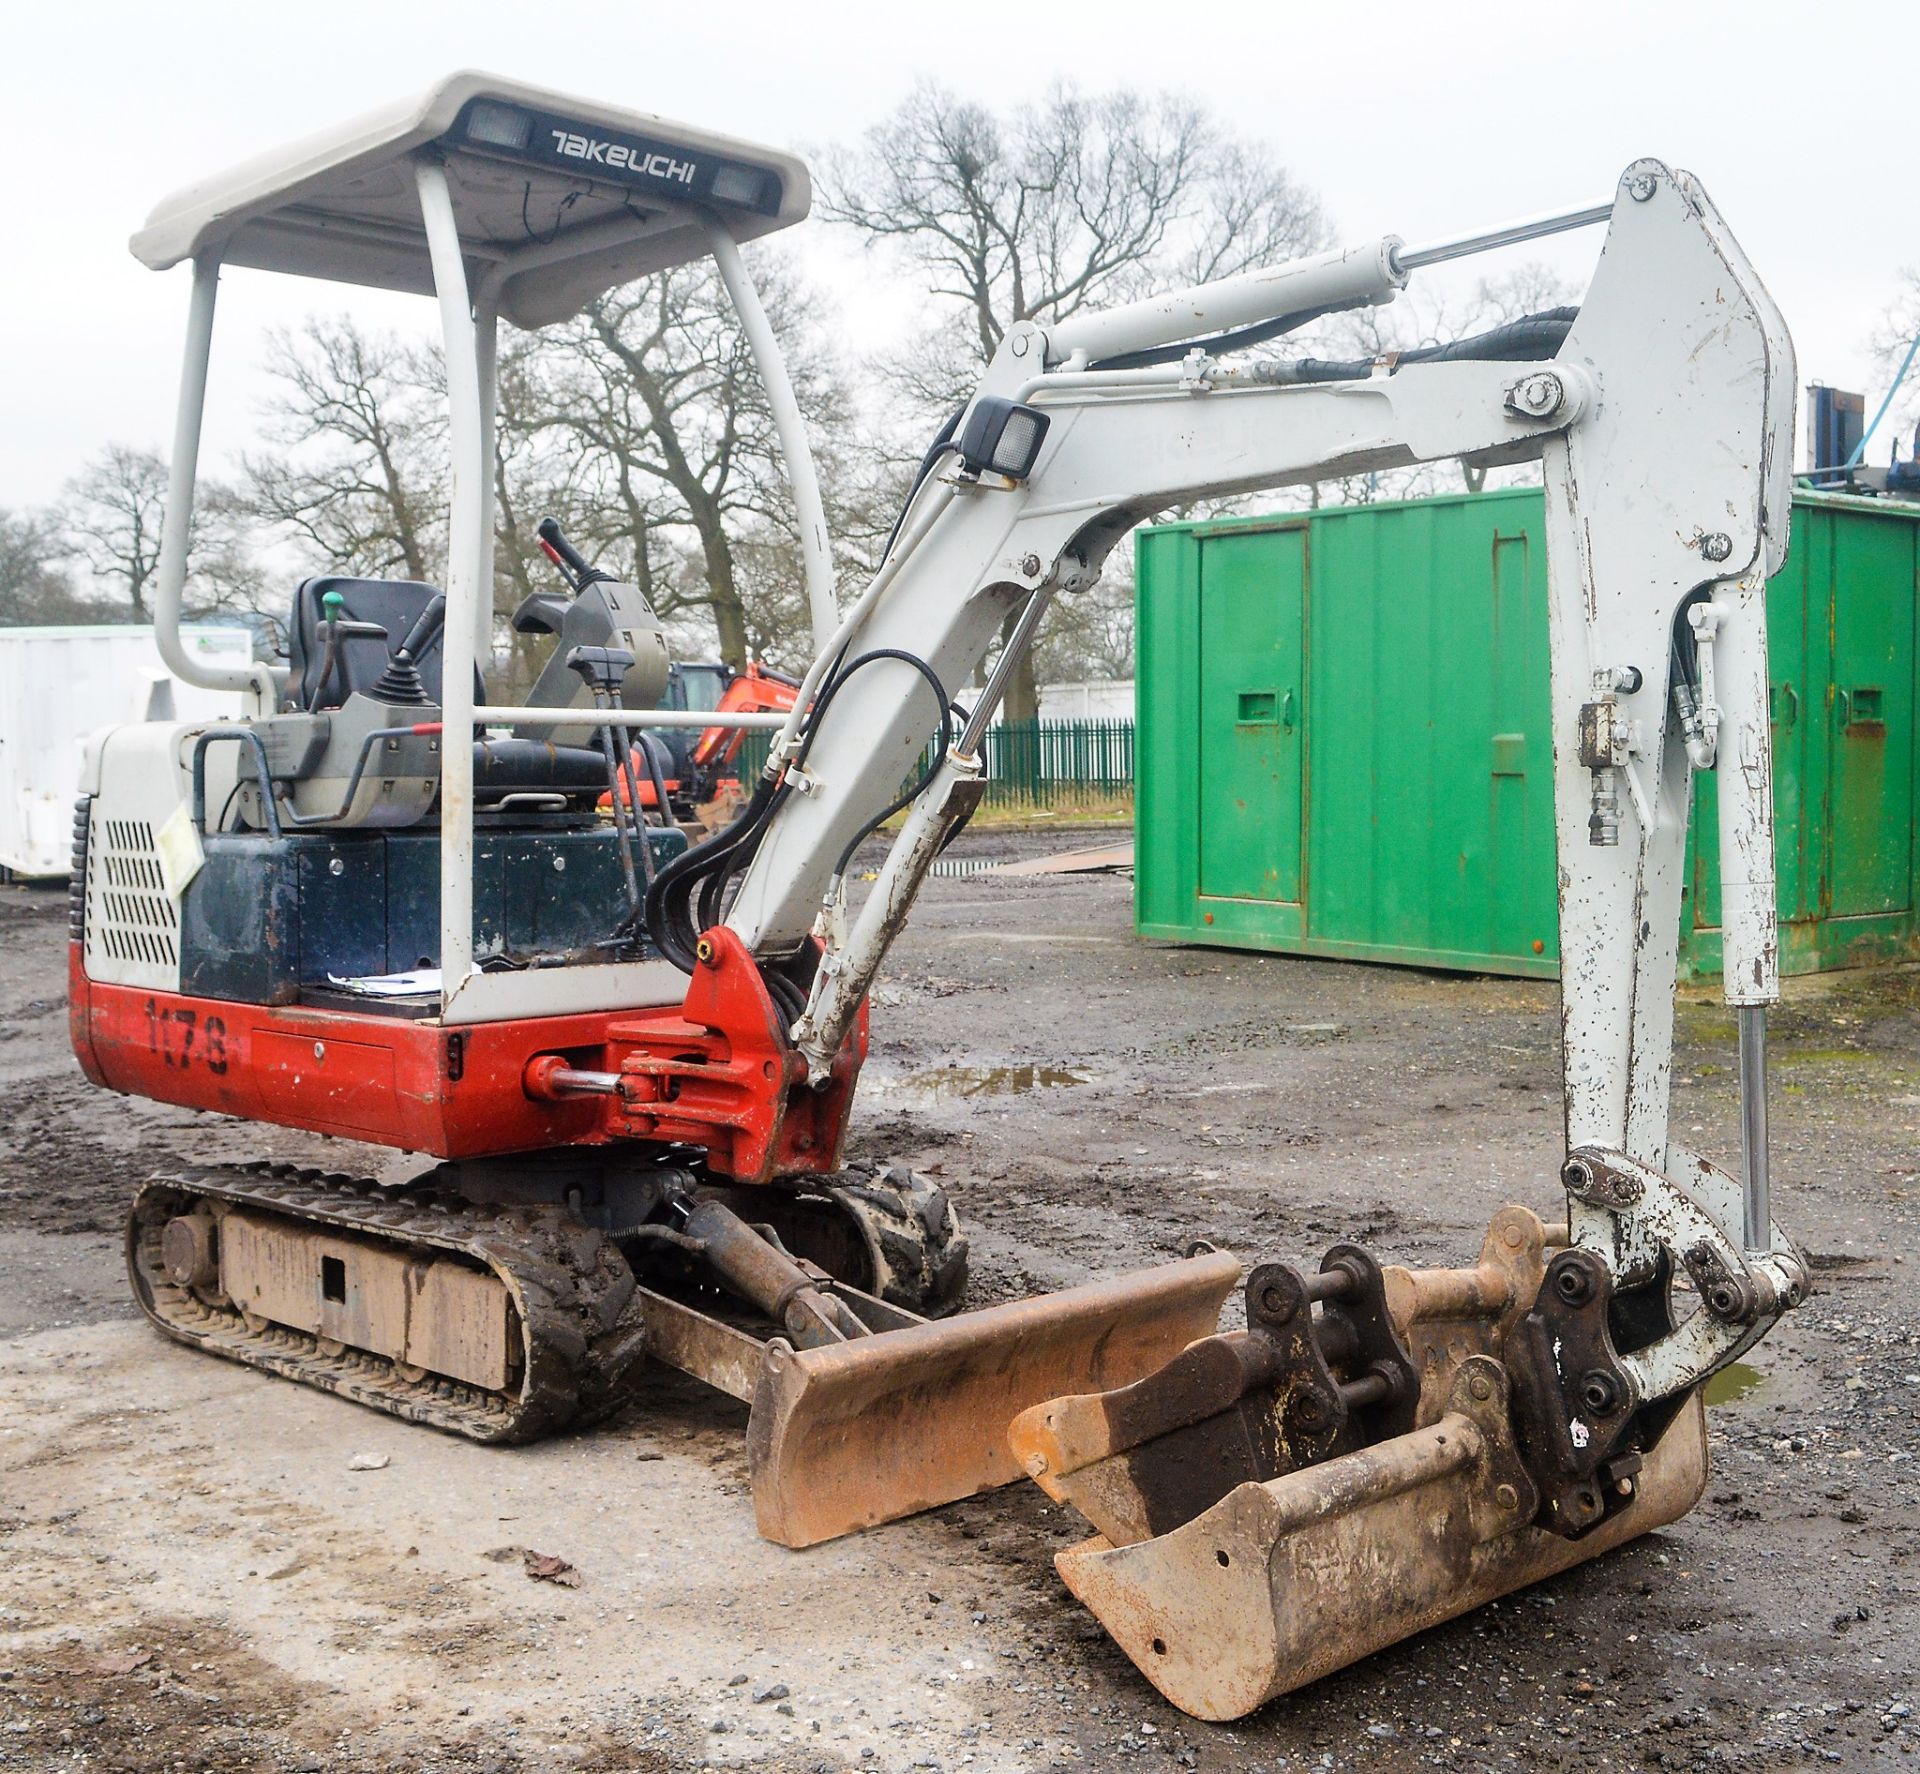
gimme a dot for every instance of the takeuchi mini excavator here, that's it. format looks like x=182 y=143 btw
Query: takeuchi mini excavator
x=383 y=907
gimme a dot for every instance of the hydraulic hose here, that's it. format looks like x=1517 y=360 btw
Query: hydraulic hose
x=1518 y=341
x=689 y=894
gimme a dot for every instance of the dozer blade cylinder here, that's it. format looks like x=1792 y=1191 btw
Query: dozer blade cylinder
x=1284 y=1581
x=856 y=1433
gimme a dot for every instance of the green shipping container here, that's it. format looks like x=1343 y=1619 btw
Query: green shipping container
x=1343 y=743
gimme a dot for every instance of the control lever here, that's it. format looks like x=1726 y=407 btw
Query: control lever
x=338 y=627
x=401 y=681
x=554 y=545
x=422 y=634
x=603 y=670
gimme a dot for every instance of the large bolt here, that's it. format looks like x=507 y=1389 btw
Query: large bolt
x=1537 y=396
x=1571 y=1283
x=1642 y=186
x=1600 y=1393
x=1716 y=545
x=1309 y=1410
x=1275 y=1304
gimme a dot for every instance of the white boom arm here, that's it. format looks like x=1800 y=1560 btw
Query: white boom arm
x=1664 y=423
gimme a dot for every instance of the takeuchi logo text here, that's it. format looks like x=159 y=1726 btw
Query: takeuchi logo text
x=617 y=155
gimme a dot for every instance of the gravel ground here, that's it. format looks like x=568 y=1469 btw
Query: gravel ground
x=195 y=1578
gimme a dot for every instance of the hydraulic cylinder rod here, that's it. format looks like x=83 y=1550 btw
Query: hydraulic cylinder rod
x=1757 y=1209
x=1435 y=252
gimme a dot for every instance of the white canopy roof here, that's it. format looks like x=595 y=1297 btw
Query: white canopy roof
x=557 y=199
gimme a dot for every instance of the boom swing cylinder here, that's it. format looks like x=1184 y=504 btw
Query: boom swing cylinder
x=639 y=1138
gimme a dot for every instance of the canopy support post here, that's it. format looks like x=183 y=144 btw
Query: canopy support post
x=466 y=576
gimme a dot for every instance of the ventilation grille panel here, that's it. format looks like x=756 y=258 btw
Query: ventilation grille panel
x=130 y=918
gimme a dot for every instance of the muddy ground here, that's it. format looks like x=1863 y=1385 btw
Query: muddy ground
x=193 y=1577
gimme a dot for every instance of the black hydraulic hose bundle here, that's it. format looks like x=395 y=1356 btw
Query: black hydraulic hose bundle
x=1518 y=341
x=942 y=743
x=669 y=905
x=650 y=749
x=689 y=894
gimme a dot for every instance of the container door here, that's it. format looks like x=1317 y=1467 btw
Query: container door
x=1521 y=872
x=1252 y=600
x=1870 y=712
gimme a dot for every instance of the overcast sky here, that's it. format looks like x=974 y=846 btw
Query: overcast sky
x=1407 y=118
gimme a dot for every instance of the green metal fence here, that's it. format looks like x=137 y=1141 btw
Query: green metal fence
x=1030 y=763
x=1038 y=763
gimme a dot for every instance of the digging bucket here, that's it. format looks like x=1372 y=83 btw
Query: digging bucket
x=1228 y=1591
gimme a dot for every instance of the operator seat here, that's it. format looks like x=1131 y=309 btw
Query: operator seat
x=395 y=604
x=501 y=767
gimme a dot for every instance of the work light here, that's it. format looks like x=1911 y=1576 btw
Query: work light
x=742 y=185
x=499 y=126
x=1002 y=436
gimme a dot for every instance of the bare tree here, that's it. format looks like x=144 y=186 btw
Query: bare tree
x=35 y=587
x=672 y=453
x=1077 y=201
x=1892 y=340
x=641 y=425
x=1091 y=635
x=110 y=520
x=110 y=517
x=226 y=575
x=359 y=476
x=354 y=469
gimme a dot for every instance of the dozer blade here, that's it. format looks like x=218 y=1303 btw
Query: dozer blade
x=1278 y=1502
x=856 y=1433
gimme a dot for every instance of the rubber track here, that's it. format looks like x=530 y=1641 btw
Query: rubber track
x=581 y=1337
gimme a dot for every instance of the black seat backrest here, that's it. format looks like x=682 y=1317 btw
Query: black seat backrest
x=395 y=604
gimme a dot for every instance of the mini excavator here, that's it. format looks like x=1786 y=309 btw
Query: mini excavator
x=382 y=907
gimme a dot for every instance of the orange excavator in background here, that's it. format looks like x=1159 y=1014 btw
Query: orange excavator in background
x=701 y=771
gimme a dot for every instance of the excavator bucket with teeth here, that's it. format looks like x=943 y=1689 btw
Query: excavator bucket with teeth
x=1279 y=1502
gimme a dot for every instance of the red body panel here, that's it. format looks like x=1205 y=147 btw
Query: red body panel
x=717 y=1073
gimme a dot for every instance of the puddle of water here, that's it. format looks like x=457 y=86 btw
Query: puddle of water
x=968 y=1081
x=1733 y=1383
